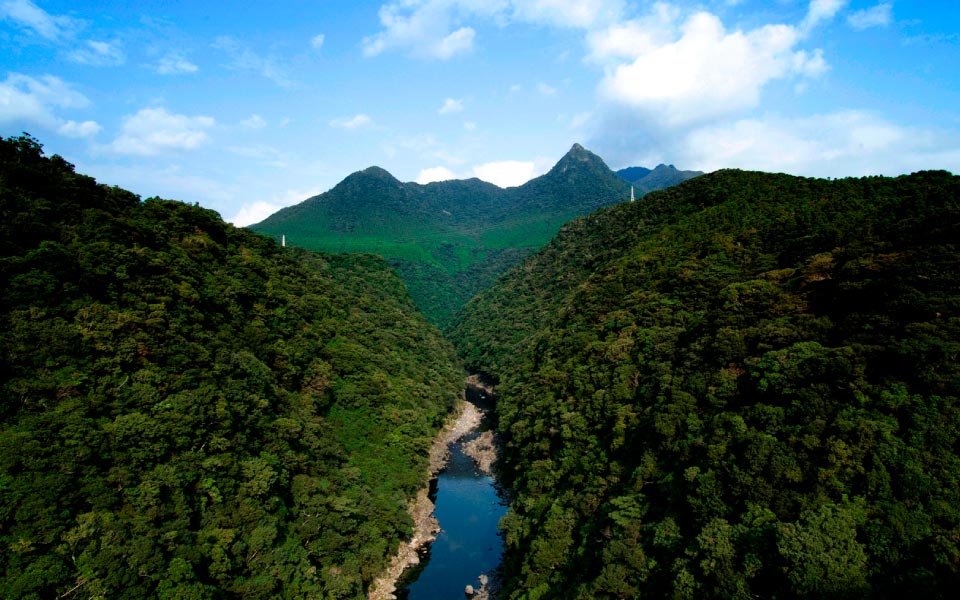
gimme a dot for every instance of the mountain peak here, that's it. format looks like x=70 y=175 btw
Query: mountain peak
x=576 y=158
x=377 y=172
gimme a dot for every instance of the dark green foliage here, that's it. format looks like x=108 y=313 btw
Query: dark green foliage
x=188 y=410
x=451 y=239
x=745 y=386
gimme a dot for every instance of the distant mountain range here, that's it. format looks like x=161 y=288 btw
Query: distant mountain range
x=451 y=239
x=660 y=178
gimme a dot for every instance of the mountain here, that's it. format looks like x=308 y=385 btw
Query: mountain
x=450 y=239
x=744 y=386
x=634 y=174
x=188 y=410
x=660 y=178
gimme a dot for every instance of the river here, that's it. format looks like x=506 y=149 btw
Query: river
x=455 y=537
x=468 y=508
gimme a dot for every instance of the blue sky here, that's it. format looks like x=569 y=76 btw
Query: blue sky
x=246 y=108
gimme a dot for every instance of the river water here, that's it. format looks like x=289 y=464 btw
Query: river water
x=469 y=509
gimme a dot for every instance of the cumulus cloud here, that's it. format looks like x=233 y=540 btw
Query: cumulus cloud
x=427 y=29
x=835 y=144
x=174 y=63
x=98 y=54
x=354 y=122
x=880 y=15
x=437 y=29
x=316 y=42
x=821 y=10
x=433 y=174
x=507 y=173
x=28 y=15
x=153 y=131
x=696 y=70
x=34 y=99
x=258 y=210
x=451 y=105
x=79 y=130
x=504 y=173
x=254 y=213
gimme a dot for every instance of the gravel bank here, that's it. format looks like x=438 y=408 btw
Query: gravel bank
x=465 y=419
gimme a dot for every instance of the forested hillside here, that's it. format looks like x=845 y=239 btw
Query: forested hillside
x=188 y=410
x=745 y=386
x=449 y=239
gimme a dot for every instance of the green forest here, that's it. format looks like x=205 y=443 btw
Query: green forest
x=188 y=410
x=745 y=386
x=449 y=240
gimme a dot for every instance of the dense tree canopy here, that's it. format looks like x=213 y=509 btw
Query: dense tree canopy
x=188 y=410
x=745 y=386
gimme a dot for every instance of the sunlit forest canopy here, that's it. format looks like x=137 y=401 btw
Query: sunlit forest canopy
x=744 y=386
x=188 y=410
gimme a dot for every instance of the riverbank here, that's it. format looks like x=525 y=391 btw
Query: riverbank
x=466 y=418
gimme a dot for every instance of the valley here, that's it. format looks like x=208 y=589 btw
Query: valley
x=451 y=239
x=743 y=385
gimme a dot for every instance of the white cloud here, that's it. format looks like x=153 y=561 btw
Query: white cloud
x=469 y=125
x=821 y=10
x=451 y=105
x=507 y=173
x=254 y=213
x=155 y=130
x=245 y=59
x=99 y=54
x=258 y=210
x=704 y=71
x=254 y=122
x=880 y=15
x=425 y=29
x=580 y=14
x=354 y=122
x=435 y=174
x=31 y=99
x=633 y=38
x=843 y=143
x=545 y=89
x=437 y=28
x=458 y=42
x=79 y=130
x=174 y=64
x=316 y=42
x=29 y=15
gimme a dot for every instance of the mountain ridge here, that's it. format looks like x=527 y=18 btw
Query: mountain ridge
x=448 y=239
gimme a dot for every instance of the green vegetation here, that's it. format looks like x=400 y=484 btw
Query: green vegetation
x=188 y=410
x=451 y=239
x=745 y=386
